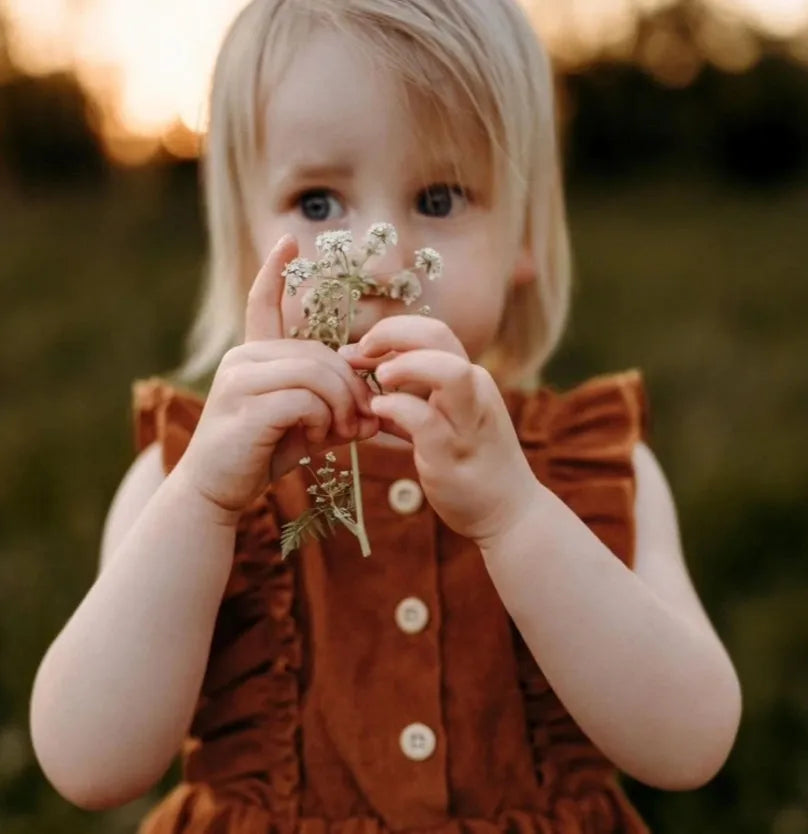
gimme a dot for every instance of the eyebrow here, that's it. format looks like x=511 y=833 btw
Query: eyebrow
x=313 y=171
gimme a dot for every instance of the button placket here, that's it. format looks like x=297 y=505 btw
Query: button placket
x=401 y=621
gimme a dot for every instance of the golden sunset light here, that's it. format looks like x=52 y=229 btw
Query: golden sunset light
x=146 y=64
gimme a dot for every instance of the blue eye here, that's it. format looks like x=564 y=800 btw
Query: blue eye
x=439 y=200
x=319 y=204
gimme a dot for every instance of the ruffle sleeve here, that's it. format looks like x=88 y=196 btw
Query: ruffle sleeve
x=580 y=444
x=164 y=413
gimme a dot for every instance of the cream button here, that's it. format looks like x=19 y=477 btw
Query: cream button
x=405 y=496
x=417 y=742
x=412 y=615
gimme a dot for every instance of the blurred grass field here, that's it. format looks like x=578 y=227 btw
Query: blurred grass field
x=700 y=285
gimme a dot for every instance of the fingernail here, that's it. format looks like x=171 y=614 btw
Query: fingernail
x=348 y=350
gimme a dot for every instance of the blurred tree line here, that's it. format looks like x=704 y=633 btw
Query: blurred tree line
x=688 y=207
x=750 y=128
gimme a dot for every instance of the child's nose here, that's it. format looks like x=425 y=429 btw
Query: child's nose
x=387 y=265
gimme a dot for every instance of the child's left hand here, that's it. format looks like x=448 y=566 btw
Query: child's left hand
x=468 y=456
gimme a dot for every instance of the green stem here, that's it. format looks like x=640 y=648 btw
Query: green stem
x=345 y=520
x=361 y=532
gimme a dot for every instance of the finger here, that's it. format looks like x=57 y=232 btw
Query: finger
x=263 y=318
x=409 y=332
x=310 y=427
x=367 y=428
x=451 y=379
x=294 y=373
x=389 y=427
x=411 y=415
x=292 y=406
x=355 y=357
x=263 y=351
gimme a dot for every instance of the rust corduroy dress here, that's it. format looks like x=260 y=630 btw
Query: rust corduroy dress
x=362 y=696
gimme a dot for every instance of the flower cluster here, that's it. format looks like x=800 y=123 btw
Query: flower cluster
x=333 y=488
x=430 y=261
x=380 y=236
x=342 y=279
x=342 y=275
x=405 y=286
x=333 y=501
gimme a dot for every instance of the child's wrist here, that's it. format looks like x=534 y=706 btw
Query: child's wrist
x=517 y=523
x=194 y=497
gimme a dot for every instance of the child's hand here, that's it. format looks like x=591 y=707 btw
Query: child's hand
x=273 y=401
x=469 y=459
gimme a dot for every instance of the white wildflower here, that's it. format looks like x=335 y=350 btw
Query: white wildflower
x=305 y=461
x=331 y=457
x=405 y=286
x=379 y=237
x=331 y=244
x=430 y=261
x=298 y=271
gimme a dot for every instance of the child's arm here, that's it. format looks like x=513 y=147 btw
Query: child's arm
x=632 y=655
x=115 y=693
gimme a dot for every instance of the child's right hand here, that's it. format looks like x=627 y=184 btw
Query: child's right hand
x=273 y=401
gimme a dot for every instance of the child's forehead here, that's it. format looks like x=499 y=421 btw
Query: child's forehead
x=335 y=104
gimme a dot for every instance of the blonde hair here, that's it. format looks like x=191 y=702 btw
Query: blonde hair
x=492 y=69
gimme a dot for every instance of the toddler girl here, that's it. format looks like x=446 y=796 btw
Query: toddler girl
x=525 y=626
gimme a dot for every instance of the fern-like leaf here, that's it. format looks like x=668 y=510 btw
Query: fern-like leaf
x=306 y=526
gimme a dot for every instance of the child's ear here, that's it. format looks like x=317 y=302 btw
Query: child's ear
x=524 y=270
